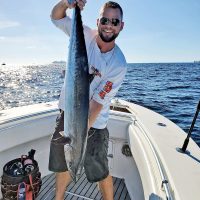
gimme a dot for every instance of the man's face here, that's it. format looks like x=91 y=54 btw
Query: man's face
x=110 y=24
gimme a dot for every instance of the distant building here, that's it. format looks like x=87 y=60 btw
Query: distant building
x=59 y=62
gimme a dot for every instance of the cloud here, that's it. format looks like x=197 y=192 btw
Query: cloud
x=28 y=41
x=8 y=24
x=2 y=38
x=31 y=47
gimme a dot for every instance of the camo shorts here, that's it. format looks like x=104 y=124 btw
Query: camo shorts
x=96 y=161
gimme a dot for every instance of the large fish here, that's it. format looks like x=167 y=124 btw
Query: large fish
x=76 y=98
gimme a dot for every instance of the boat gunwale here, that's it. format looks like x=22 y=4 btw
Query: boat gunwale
x=165 y=183
x=27 y=116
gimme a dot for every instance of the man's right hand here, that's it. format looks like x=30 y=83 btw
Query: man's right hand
x=59 y=10
x=72 y=3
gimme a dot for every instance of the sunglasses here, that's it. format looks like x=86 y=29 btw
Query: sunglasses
x=106 y=21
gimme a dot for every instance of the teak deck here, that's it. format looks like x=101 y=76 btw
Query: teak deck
x=81 y=190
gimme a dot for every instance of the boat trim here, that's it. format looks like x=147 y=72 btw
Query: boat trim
x=28 y=116
x=165 y=185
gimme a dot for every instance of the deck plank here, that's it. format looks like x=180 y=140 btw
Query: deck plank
x=81 y=190
x=48 y=184
x=119 y=189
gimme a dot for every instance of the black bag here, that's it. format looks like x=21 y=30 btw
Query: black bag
x=10 y=183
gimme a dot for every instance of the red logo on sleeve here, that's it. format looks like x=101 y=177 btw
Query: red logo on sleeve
x=102 y=94
x=107 y=88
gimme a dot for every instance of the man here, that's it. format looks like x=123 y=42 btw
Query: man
x=107 y=67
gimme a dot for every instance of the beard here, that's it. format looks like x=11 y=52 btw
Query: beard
x=107 y=38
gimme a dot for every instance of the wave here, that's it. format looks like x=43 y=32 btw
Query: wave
x=178 y=87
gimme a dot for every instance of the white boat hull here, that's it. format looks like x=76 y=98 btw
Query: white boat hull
x=156 y=169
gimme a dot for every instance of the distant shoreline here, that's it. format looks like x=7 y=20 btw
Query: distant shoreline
x=54 y=63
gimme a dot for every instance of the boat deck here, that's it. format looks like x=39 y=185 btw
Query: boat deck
x=81 y=190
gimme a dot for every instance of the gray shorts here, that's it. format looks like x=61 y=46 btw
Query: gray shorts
x=96 y=161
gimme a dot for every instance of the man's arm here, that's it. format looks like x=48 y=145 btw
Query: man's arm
x=59 y=10
x=94 y=110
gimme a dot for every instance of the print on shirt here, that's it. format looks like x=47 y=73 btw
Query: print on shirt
x=95 y=71
x=107 y=88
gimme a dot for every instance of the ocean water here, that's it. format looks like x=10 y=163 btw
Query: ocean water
x=171 y=89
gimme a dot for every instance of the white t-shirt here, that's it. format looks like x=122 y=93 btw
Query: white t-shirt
x=109 y=69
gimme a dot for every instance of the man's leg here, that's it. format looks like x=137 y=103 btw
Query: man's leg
x=62 y=181
x=57 y=161
x=96 y=161
x=106 y=187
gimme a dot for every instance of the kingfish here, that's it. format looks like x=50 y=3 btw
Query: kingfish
x=76 y=98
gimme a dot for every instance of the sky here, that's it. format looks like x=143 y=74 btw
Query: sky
x=154 y=31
